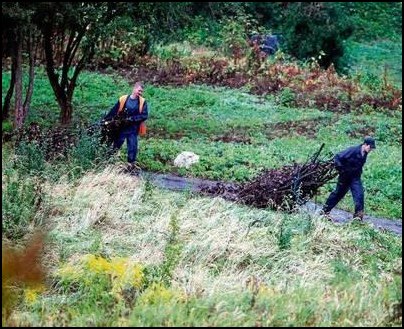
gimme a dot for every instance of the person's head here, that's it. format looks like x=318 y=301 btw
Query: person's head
x=369 y=144
x=137 y=89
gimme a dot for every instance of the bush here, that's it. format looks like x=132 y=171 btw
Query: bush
x=6 y=126
x=202 y=32
x=287 y=97
x=6 y=131
x=371 y=81
x=233 y=36
x=171 y=51
x=20 y=198
x=88 y=153
x=30 y=158
x=309 y=28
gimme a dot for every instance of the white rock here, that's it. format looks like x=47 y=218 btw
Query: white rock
x=186 y=159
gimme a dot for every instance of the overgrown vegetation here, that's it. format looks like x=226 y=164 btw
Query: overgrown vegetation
x=236 y=135
x=194 y=261
x=119 y=251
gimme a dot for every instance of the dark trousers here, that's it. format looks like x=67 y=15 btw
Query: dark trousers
x=343 y=185
x=131 y=141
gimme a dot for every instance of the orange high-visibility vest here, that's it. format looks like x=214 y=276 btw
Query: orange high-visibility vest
x=122 y=101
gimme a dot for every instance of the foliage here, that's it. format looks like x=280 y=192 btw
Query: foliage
x=248 y=133
x=287 y=97
x=120 y=273
x=30 y=158
x=374 y=20
x=128 y=42
x=75 y=29
x=6 y=127
x=310 y=28
x=234 y=35
x=87 y=154
x=125 y=253
x=21 y=198
x=202 y=32
x=307 y=28
x=292 y=269
x=173 y=51
x=374 y=62
x=310 y=84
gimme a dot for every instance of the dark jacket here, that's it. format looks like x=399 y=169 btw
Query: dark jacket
x=350 y=162
x=131 y=114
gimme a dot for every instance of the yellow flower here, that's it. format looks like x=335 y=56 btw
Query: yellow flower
x=69 y=272
x=96 y=264
x=137 y=276
x=31 y=293
x=157 y=294
x=121 y=272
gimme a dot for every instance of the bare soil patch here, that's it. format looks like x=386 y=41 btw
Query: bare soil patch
x=307 y=128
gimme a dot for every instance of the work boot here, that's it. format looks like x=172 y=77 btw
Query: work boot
x=326 y=215
x=132 y=168
x=358 y=215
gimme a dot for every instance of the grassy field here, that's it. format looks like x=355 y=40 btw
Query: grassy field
x=121 y=252
x=237 y=134
x=261 y=136
x=376 y=60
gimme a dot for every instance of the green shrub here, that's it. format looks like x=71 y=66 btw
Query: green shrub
x=6 y=126
x=309 y=28
x=30 y=158
x=202 y=32
x=233 y=36
x=20 y=198
x=371 y=81
x=287 y=97
x=88 y=153
x=171 y=51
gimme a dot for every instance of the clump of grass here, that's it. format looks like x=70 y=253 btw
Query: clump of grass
x=21 y=198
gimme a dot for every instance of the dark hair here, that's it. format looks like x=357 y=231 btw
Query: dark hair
x=370 y=141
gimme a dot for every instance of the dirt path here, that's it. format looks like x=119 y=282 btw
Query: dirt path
x=342 y=216
x=177 y=183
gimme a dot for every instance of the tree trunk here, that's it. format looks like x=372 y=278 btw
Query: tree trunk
x=54 y=78
x=71 y=37
x=10 y=91
x=66 y=113
x=18 y=110
x=64 y=87
x=30 y=89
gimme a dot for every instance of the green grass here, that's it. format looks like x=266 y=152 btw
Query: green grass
x=372 y=61
x=197 y=125
x=120 y=253
x=236 y=134
x=375 y=20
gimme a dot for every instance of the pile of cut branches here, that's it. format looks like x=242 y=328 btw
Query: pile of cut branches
x=282 y=188
x=288 y=186
x=109 y=129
